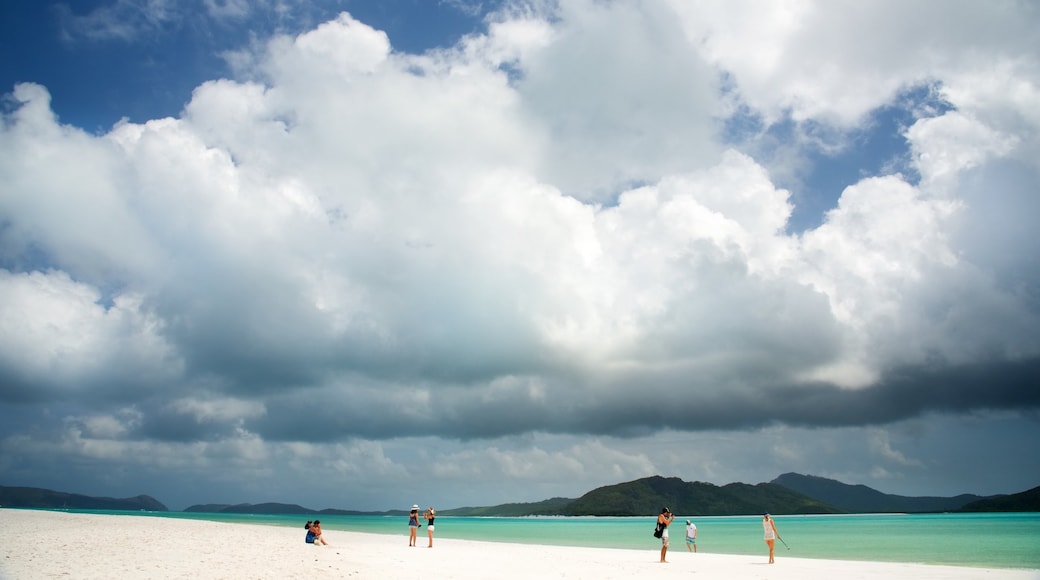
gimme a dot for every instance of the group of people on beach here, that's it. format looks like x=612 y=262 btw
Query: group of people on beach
x=666 y=517
x=413 y=524
x=314 y=535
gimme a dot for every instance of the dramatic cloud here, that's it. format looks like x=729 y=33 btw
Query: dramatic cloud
x=533 y=256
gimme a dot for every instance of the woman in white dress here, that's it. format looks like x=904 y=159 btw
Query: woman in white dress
x=769 y=529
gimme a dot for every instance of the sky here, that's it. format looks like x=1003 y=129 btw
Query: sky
x=362 y=254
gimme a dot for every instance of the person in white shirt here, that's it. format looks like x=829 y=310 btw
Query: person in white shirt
x=770 y=533
x=691 y=536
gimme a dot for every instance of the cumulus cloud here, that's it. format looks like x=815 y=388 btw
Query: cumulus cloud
x=836 y=61
x=58 y=341
x=537 y=232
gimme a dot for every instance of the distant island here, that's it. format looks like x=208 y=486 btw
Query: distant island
x=862 y=499
x=790 y=493
x=34 y=497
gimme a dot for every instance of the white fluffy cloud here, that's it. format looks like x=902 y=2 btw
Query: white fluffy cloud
x=56 y=338
x=836 y=61
x=536 y=232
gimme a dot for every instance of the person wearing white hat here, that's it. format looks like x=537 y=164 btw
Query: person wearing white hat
x=413 y=524
x=691 y=536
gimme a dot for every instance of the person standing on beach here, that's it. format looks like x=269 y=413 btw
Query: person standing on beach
x=429 y=515
x=663 y=520
x=691 y=536
x=769 y=529
x=413 y=525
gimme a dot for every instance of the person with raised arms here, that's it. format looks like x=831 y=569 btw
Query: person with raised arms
x=429 y=515
x=663 y=520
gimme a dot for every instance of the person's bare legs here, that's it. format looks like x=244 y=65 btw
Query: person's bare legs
x=664 y=550
x=770 y=543
x=429 y=532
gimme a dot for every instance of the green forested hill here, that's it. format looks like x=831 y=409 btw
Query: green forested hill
x=862 y=499
x=1027 y=501
x=35 y=497
x=790 y=493
x=648 y=495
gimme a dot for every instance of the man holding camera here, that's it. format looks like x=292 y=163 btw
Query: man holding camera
x=663 y=520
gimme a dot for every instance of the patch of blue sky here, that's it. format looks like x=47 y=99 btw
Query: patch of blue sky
x=415 y=26
x=103 y=61
x=821 y=161
x=20 y=256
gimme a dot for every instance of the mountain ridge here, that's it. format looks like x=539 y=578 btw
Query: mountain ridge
x=863 y=499
x=789 y=493
x=647 y=495
x=37 y=497
x=1025 y=501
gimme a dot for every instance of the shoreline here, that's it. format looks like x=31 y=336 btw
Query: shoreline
x=40 y=543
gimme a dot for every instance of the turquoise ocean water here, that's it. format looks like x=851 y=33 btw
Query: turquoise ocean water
x=1004 y=540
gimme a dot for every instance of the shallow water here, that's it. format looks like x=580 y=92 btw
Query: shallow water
x=991 y=540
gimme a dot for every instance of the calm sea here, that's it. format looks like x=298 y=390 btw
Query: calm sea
x=1004 y=540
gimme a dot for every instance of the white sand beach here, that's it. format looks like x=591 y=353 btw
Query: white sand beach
x=45 y=544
